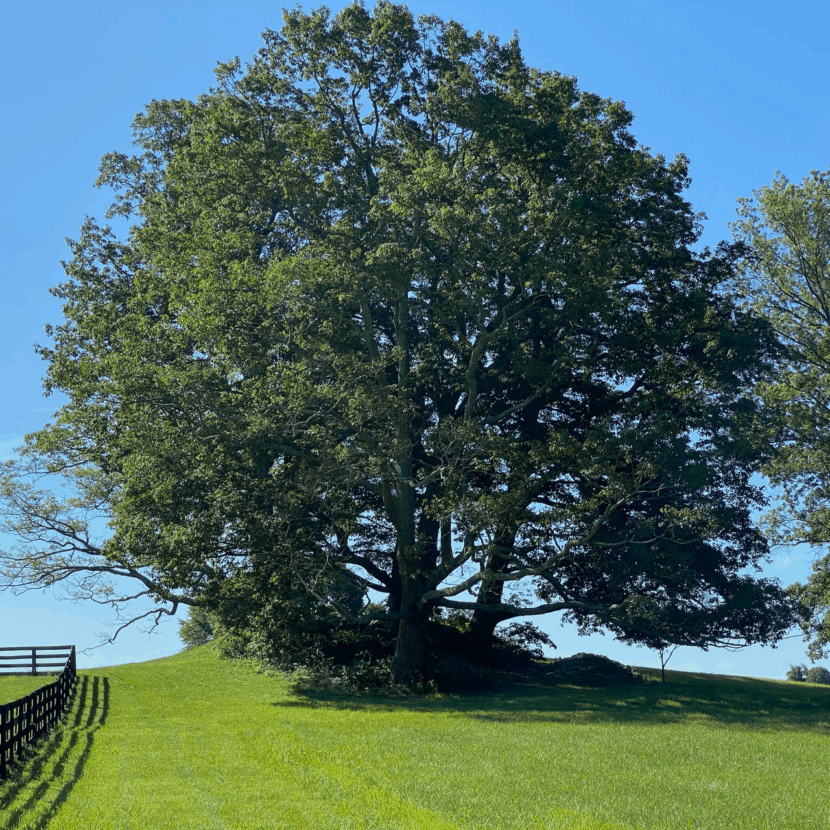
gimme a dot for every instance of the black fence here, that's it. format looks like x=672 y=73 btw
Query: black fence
x=33 y=659
x=24 y=721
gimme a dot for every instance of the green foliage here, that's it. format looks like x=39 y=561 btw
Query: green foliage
x=593 y=670
x=817 y=674
x=197 y=629
x=282 y=626
x=786 y=279
x=526 y=637
x=398 y=312
x=797 y=673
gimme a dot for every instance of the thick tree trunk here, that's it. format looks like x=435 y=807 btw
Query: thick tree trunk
x=484 y=622
x=410 y=648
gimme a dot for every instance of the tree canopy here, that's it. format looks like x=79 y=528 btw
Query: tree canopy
x=403 y=325
x=787 y=281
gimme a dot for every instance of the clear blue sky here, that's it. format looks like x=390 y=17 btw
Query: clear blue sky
x=741 y=88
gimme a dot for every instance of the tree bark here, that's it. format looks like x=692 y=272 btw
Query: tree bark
x=483 y=624
x=410 y=648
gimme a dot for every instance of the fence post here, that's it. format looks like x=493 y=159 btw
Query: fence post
x=34 y=660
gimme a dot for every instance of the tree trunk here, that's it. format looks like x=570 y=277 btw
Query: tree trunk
x=410 y=648
x=395 y=599
x=483 y=624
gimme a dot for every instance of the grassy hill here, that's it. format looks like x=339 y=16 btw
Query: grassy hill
x=13 y=687
x=191 y=741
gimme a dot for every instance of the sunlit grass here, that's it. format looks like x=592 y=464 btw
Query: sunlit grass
x=194 y=742
x=14 y=686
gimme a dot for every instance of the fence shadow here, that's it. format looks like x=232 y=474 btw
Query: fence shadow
x=37 y=789
x=715 y=700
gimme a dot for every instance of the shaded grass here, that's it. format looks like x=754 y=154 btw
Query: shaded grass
x=14 y=686
x=194 y=742
x=716 y=700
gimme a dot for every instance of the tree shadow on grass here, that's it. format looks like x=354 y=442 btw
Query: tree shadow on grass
x=38 y=788
x=718 y=701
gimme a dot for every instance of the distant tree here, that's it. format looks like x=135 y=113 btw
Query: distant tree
x=399 y=313
x=797 y=673
x=197 y=629
x=817 y=674
x=786 y=279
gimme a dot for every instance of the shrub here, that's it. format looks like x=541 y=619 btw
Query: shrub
x=365 y=673
x=593 y=670
x=818 y=674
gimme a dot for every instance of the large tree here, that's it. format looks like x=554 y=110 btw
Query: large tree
x=786 y=279
x=398 y=313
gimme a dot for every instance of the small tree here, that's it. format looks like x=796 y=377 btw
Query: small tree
x=818 y=674
x=666 y=651
x=197 y=629
x=796 y=673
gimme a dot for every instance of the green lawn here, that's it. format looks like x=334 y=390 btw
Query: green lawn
x=13 y=687
x=194 y=742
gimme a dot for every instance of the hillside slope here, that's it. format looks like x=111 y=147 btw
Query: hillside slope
x=14 y=686
x=191 y=741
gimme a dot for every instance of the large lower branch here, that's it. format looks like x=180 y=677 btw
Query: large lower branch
x=509 y=610
x=523 y=571
x=679 y=638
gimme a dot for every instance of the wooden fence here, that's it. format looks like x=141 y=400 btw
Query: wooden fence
x=24 y=721
x=33 y=659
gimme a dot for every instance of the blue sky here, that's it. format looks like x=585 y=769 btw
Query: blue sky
x=740 y=88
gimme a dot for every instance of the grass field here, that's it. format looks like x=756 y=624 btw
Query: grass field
x=13 y=687
x=194 y=742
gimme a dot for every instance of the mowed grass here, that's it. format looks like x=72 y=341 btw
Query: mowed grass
x=191 y=741
x=14 y=686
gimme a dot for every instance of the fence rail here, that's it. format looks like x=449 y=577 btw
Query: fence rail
x=35 y=659
x=24 y=721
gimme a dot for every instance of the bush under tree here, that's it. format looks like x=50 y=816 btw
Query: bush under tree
x=592 y=670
